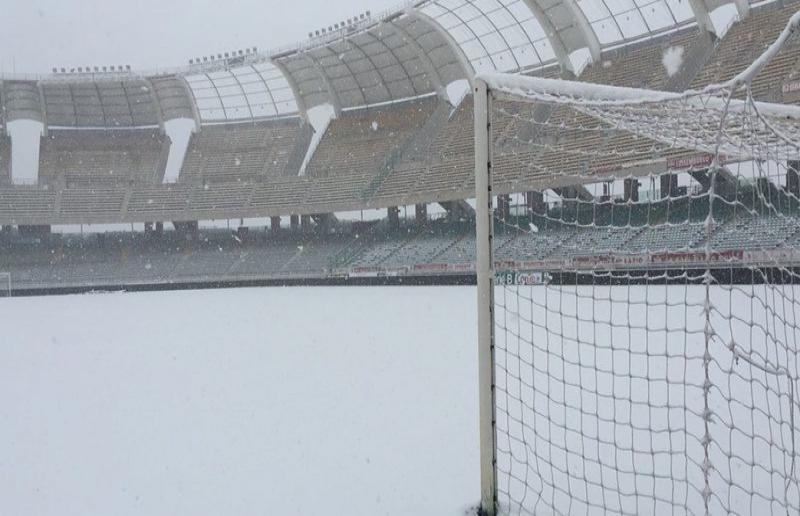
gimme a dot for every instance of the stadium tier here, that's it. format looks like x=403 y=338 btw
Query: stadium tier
x=244 y=157
x=102 y=157
x=246 y=153
x=5 y=159
x=438 y=248
x=745 y=41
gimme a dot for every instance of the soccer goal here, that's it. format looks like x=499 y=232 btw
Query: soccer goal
x=639 y=313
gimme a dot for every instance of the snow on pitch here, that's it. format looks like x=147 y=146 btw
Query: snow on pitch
x=249 y=401
x=304 y=400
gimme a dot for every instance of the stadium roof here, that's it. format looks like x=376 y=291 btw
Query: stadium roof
x=117 y=103
x=249 y=92
x=413 y=50
x=400 y=57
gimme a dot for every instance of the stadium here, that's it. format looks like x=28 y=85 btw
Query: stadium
x=619 y=179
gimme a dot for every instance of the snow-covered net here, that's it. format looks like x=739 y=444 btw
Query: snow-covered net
x=646 y=247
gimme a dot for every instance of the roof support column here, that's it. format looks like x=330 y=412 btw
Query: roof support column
x=701 y=14
x=154 y=97
x=743 y=6
x=552 y=35
x=195 y=108
x=586 y=29
x=336 y=102
x=298 y=97
x=43 y=105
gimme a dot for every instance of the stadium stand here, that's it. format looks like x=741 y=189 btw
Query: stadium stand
x=252 y=152
x=103 y=160
x=445 y=167
x=102 y=157
x=364 y=145
x=35 y=203
x=745 y=41
x=460 y=251
x=438 y=248
x=155 y=200
x=5 y=158
x=97 y=200
x=667 y=237
x=359 y=141
x=652 y=64
x=754 y=233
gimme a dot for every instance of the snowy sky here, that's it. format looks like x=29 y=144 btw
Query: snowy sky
x=38 y=35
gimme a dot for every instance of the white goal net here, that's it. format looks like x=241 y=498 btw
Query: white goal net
x=638 y=260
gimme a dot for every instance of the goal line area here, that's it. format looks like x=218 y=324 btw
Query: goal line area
x=638 y=260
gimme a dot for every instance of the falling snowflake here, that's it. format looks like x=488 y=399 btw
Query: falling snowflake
x=672 y=60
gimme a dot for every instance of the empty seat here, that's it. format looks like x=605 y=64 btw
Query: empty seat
x=102 y=157
x=252 y=152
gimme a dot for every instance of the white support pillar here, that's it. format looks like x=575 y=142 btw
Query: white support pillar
x=485 y=280
x=298 y=95
x=743 y=7
x=556 y=43
x=702 y=15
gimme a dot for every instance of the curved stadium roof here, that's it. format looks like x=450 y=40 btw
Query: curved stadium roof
x=414 y=50
x=255 y=91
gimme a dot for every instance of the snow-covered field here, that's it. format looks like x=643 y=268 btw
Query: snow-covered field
x=239 y=402
x=364 y=401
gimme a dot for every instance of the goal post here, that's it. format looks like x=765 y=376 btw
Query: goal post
x=484 y=214
x=638 y=261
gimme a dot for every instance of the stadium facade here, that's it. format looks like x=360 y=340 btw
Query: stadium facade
x=398 y=139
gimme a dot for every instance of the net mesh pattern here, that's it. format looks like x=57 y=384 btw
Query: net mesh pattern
x=646 y=302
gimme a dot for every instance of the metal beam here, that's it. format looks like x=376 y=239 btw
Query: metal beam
x=298 y=96
x=586 y=29
x=43 y=108
x=195 y=108
x=336 y=102
x=466 y=66
x=431 y=70
x=499 y=33
x=701 y=14
x=156 y=102
x=375 y=68
x=743 y=6
x=244 y=93
x=560 y=50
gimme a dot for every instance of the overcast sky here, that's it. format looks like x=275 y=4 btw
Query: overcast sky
x=38 y=35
